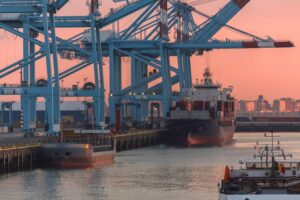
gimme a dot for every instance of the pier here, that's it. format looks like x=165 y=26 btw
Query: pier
x=138 y=139
x=161 y=31
x=19 y=158
x=18 y=153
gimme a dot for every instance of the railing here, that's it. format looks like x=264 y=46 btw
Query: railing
x=5 y=85
x=10 y=147
x=102 y=148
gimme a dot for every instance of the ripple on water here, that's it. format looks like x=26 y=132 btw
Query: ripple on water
x=159 y=172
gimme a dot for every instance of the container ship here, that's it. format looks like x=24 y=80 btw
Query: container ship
x=205 y=114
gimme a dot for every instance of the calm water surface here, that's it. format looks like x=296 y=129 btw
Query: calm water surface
x=159 y=172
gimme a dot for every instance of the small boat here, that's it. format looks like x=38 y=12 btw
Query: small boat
x=271 y=175
x=69 y=155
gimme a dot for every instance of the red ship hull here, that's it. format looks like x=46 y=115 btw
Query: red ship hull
x=220 y=139
x=200 y=132
x=75 y=156
x=82 y=162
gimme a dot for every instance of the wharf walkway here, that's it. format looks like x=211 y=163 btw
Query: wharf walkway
x=19 y=157
x=138 y=138
x=19 y=153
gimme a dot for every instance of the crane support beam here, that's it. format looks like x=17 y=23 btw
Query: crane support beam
x=158 y=87
x=60 y=3
x=241 y=3
x=139 y=84
x=145 y=41
x=19 y=9
x=113 y=17
x=231 y=45
x=20 y=34
x=218 y=21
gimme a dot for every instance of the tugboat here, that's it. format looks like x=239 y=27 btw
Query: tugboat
x=272 y=175
x=205 y=114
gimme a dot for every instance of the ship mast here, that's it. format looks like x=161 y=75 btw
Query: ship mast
x=207 y=81
x=273 y=152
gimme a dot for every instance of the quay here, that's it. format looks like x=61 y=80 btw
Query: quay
x=19 y=158
x=19 y=153
x=138 y=138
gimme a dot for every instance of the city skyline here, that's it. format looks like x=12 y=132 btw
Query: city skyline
x=261 y=104
x=264 y=18
x=273 y=72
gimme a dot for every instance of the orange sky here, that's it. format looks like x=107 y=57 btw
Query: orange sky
x=272 y=72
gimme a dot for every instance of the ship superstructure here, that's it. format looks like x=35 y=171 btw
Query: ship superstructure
x=206 y=112
x=272 y=174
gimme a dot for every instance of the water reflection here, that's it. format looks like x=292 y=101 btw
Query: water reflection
x=159 y=172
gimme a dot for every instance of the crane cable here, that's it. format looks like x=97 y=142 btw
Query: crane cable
x=199 y=2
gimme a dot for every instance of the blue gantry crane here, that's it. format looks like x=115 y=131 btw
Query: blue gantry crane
x=146 y=41
x=18 y=14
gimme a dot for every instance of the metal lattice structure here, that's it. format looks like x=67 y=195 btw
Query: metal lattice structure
x=147 y=42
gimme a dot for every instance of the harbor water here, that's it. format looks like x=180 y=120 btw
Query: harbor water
x=159 y=172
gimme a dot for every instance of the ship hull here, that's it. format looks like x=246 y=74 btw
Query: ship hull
x=260 y=197
x=74 y=156
x=200 y=132
x=222 y=135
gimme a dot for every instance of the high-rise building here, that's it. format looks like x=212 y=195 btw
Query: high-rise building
x=246 y=106
x=262 y=105
x=297 y=105
x=284 y=105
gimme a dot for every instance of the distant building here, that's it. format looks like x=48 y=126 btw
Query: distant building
x=279 y=105
x=261 y=104
x=247 y=106
x=290 y=104
x=284 y=105
x=242 y=106
x=73 y=114
x=297 y=106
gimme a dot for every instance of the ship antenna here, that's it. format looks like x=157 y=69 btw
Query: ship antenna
x=207 y=76
x=272 y=149
x=273 y=152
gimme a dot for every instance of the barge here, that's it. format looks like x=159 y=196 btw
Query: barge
x=70 y=155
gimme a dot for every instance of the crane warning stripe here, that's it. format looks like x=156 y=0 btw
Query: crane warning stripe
x=250 y=44
x=241 y=3
x=265 y=44
x=283 y=44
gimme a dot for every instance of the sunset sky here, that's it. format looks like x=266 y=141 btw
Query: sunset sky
x=272 y=72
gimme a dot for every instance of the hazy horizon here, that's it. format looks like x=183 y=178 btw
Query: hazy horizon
x=271 y=72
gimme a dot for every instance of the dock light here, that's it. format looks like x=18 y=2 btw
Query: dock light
x=111 y=94
x=130 y=93
x=143 y=93
x=87 y=146
x=134 y=94
x=154 y=93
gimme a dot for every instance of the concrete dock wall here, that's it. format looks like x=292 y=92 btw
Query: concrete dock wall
x=18 y=158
